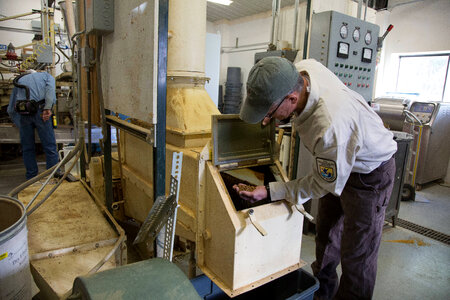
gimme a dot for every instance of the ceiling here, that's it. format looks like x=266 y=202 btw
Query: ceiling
x=241 y=8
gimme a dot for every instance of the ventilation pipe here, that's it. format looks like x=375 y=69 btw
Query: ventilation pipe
x=189 y=107
x=69 y=18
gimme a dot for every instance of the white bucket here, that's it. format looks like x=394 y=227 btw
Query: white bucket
x=63 y=153
x=15 y=276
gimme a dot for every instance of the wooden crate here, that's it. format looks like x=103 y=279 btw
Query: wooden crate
x=232 y=252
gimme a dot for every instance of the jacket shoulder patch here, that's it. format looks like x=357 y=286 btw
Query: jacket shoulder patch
x=326 y=169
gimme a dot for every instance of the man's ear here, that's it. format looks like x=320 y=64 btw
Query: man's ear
x=294 y=98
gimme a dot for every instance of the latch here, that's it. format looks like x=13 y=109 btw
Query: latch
x=303 y=211
x=251 y=215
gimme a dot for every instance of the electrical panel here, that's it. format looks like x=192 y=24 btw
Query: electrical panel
x=100 y=16
x=44 y=54
x=348 y=47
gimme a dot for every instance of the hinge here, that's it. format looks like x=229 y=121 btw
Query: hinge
x=151 y=137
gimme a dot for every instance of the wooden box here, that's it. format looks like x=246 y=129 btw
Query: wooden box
x=237 y=252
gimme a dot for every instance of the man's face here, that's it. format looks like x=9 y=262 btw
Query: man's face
x=281 y=110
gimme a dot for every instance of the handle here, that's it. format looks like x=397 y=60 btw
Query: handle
x=302 y=210
x=251 y=215
x=60 y=154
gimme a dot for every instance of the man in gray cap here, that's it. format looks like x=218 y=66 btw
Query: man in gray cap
x=352 y=173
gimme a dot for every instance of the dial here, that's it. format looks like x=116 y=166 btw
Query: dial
x=356 y=34
x=368 y=38
x=344 y=31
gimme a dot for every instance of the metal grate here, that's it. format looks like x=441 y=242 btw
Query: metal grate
x=432 y=234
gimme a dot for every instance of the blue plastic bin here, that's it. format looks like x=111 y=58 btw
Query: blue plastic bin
x=297 y=285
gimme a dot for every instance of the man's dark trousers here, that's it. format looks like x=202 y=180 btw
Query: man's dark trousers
x=348 y=230
x=27 y=139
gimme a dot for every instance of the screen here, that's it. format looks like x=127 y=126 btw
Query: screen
x=424 y=108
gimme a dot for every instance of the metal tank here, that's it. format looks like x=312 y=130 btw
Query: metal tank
x=391 y=111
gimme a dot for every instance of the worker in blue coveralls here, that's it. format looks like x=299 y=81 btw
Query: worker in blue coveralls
x=352 y=173
x=30 y=108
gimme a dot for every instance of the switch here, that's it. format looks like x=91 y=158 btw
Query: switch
x=368 y=70
x=360 y=68
x=350 y=75
x=342 y=65
x=345 y=83
x=349 y=84
x=359 y=84
x=336 y=64
x=367 y=85
x=359 y=76
x=345 y=75
x=346 y=66
x=340 y=74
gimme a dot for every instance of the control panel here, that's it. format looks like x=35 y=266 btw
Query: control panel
x=347 y=46
x=423 y=111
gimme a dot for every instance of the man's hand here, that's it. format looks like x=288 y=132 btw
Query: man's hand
x=46 y=114
x=259 y=192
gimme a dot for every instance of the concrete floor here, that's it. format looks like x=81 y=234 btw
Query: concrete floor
x=418 y=270
x=410 y=265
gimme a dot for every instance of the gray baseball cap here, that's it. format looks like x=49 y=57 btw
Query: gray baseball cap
x=271 y=79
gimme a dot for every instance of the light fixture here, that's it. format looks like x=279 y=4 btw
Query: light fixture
x=223 y=2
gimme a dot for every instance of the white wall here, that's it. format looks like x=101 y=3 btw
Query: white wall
x=256 y=30
x=418 y=27
x=212 y=65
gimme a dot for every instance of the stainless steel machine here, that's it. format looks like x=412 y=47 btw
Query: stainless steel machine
x=391 y=111
x=434 y=152
x=429 y=123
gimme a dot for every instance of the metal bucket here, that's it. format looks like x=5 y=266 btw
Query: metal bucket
x=15 y=276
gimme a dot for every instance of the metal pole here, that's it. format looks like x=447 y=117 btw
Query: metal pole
x=272 y=30
x=278 y=22
x=294 y=40
x=305 y=52
x=159 y=147
x=108 y=166
x=365 y=9
x=359 y=8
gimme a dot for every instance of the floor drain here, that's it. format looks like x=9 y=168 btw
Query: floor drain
x=432 y=234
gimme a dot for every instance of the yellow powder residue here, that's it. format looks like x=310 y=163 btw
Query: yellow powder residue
x=415 y=241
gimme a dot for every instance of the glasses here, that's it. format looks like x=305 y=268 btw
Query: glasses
x=270 y=115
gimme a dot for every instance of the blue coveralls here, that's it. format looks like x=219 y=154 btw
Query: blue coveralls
x=42 y=87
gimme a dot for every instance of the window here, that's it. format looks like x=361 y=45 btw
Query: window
x=425 y=75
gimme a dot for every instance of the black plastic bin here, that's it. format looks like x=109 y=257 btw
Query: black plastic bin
x=297 y=285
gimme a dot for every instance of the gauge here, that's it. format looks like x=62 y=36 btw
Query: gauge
x=356 y=34
x=368 y=38
x=343 y=50
x=366 y=55
x=344 y=31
